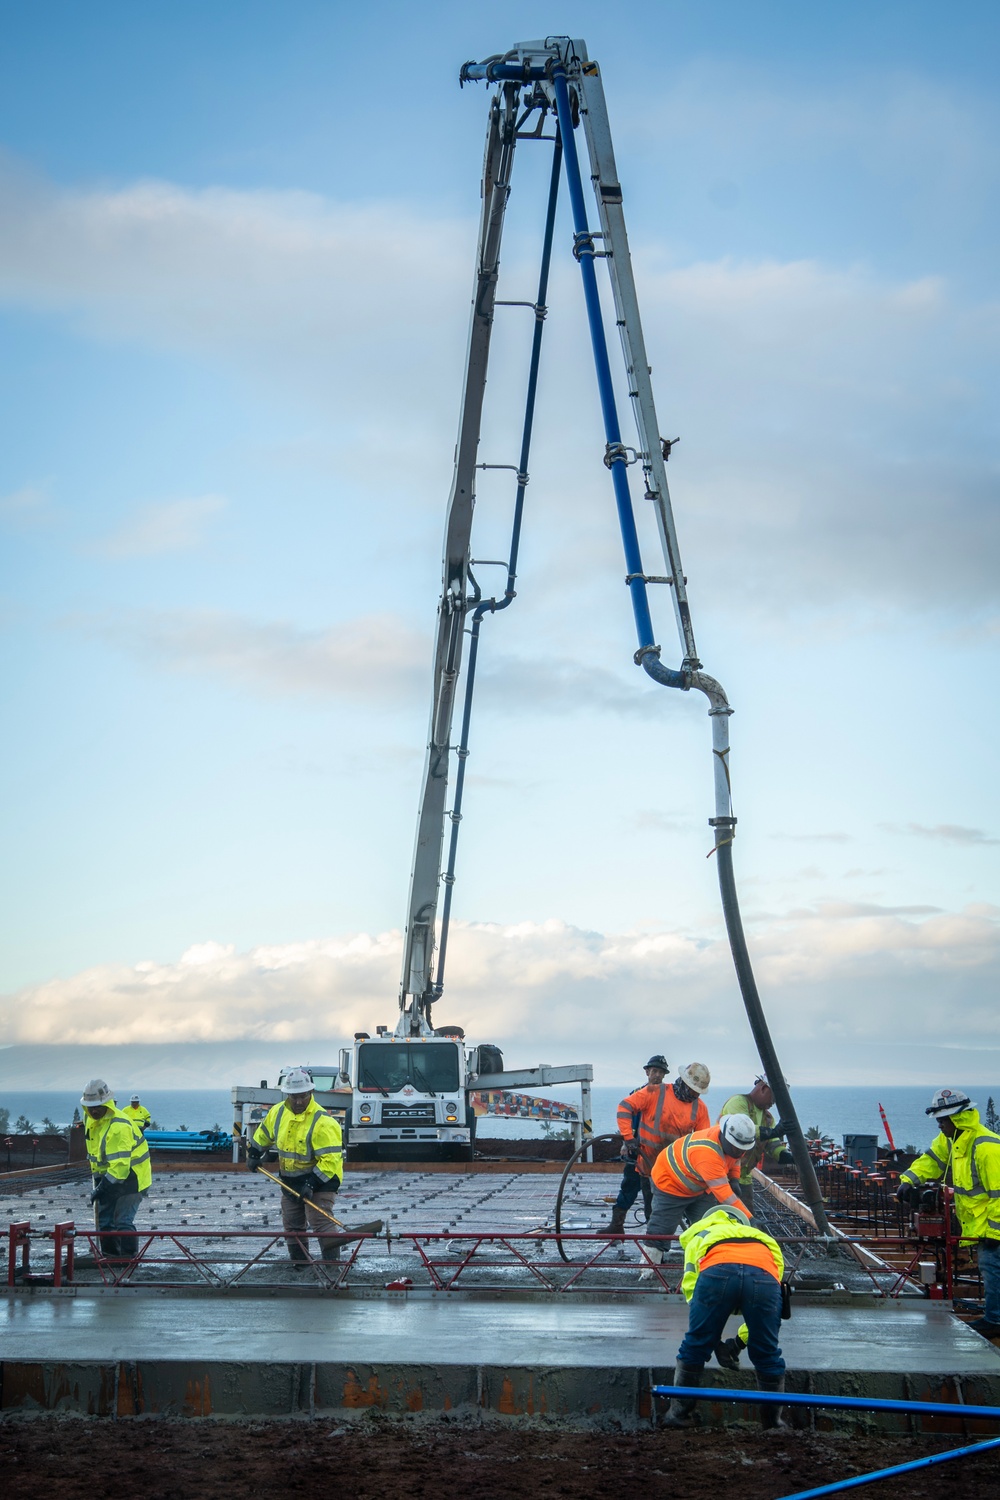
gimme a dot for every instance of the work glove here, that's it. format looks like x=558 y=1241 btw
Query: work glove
x=306 y=1187
x=255 y=1156
x=907 y=1194
x=103 y=1191
x=630 y=1151
x=785 y=1159
x=775 y=1132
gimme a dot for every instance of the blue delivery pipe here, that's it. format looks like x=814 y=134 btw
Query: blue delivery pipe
x=856 y=1480
x=835 y=1403
x=584 y=251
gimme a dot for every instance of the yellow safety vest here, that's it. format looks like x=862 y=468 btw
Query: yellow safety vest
x=700 y=1236
x=309 y=1142
x=116 y=1147
x=970 y=1163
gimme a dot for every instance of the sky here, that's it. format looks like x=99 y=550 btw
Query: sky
x=236 y=252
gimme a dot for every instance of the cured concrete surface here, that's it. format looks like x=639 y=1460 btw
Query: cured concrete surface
x=285 y=1355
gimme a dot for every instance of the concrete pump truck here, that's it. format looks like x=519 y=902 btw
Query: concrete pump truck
x=411 y=1084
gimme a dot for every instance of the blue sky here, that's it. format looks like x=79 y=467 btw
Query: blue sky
x=235 y=255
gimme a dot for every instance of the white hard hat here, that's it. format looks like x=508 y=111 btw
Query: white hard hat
x=740 y=1131
x=696 y=1076
x=728 y=1213
x=134 y=1099
x=96 y=1094
x=948 y=1102
x=296 y=1081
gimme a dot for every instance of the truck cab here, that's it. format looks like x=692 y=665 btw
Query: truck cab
x=410 y=1098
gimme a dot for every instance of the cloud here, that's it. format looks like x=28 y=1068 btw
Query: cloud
x=863 y=399
x=836 y=983
x=166 y=526
x=370 y=659
x=27 y=507
x=947 y=833
x=288 y=285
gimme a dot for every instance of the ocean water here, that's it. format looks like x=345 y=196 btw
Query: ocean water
x=836 y=1111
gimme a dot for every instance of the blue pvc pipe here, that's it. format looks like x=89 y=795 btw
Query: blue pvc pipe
x=838 y=1403
x=612 y=430
x=915 y=1463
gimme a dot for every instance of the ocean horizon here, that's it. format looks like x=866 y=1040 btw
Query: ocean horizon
x=836 y=1111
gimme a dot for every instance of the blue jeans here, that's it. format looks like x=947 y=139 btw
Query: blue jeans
x=989 y=1270
x=120 y=1213
x=632 y=1182
x=724 y=1289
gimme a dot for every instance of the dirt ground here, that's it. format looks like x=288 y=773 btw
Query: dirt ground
x=72 y=1458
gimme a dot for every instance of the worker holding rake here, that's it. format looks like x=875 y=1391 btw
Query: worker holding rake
x=309 y=1147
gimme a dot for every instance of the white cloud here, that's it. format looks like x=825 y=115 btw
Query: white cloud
x=945 y=833
x=836 y=984
x=288 y=284
x=27 y=507
x=370 y=658
x=838 y=423
x=163 y=527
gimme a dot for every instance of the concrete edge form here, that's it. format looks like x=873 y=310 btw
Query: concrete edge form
x=584 y=1395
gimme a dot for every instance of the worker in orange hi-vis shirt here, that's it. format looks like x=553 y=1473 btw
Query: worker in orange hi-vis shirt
x=651 y=1118
x=695 y=1175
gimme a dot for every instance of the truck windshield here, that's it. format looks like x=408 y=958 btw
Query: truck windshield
x=432 y=1069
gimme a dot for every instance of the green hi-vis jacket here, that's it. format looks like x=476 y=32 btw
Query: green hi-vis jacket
x=970 y=1163
x=740 y=1104
x=138 y=1114
x=309 y=1142
x=712 y=1230
x=116 y=1147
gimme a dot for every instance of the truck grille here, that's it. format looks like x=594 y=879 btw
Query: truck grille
x=400 y=1114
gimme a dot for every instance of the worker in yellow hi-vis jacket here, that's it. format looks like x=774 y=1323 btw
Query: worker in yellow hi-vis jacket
x=309 y=1145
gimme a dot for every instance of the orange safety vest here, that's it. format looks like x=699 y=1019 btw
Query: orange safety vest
x=698 y=1164
x=740 y=1253
x=662 y=1119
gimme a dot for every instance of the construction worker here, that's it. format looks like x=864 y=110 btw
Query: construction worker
x=965 y=1157
x=651 y=1118
x=138 y=1114
x=119 y=1162
x=310 y=1153
x=729 y=1266
x=757 y=1104
x=695 y=1175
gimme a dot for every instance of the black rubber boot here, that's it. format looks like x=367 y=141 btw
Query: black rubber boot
x=728 y=1351
x=681 y=1411
x=770 y=1415
x=128 y=1246
x=617 y=1225
x=109 y=1248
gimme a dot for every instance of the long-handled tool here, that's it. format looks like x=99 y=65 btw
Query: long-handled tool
x=375 y=1227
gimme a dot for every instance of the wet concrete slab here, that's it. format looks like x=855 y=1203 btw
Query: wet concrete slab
x=175 y=1353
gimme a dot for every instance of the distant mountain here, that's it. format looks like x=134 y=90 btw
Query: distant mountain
x=185 y=1065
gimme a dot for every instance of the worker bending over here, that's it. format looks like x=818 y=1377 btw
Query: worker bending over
x=729 y=1266
x=651 y=1118
x=695 y=1175
x=309 y=1145
x=966 y=1157
x=119 y=1161
x=138 y=1114
x=757 y=1105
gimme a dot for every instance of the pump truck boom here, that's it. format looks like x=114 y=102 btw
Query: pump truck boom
x=544 y=92
x=553 y=83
